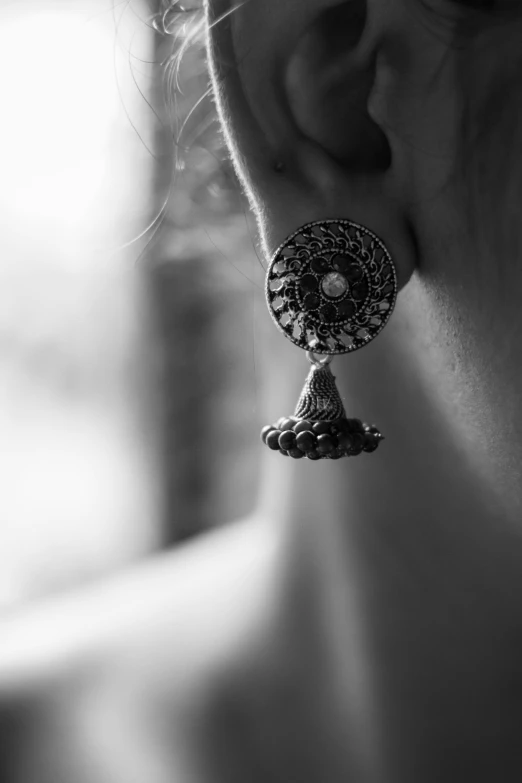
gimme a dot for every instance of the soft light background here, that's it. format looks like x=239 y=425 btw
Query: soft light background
x=79 y=488
x=130 y=294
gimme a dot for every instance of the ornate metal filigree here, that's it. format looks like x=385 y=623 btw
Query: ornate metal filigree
x=320 y=399
x=331 y=287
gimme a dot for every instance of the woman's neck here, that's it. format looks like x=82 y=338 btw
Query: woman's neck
x=406 y=564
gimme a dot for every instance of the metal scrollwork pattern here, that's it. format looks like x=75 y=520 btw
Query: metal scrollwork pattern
x=331 y=286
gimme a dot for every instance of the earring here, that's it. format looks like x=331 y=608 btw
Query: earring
x=330 y=288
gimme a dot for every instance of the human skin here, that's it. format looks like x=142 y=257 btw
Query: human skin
x=416 y=549
x=364 y=624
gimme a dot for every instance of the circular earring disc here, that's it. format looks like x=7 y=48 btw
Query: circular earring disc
x=331 y=286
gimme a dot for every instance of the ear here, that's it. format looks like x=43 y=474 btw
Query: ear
x=329 y=78
x=293 y=80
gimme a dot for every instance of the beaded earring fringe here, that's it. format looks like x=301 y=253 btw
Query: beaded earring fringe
x=319 y=428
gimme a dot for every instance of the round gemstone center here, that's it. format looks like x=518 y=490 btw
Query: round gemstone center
x=334 y=284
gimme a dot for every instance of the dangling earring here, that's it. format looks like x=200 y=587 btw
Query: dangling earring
x=330 y=288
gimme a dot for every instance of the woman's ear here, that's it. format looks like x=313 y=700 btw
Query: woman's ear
x=293 y=81
x=328 y=82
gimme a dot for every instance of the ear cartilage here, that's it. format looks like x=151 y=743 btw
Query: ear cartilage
x=331 y=287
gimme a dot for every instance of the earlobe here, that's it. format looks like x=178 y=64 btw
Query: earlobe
x=328 y=83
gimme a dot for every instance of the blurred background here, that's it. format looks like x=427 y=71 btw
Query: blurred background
x=129 y=291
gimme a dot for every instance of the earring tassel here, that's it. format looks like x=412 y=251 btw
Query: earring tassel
x=319 y=428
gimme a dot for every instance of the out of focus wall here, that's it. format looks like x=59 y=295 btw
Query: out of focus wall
x=207 y=285
x=130 y=293
x=208 y=299
x=79 y=478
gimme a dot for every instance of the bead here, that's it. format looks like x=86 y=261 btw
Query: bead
x=313 y=455
x=303 y=425
x=354 y=273
x=335 y=454
x=309 y=283
x=374 y=430
x=345 y=440
x=321 y=427
x=306 y=441
x=346 y=309
x=328 y=312
x=285 y=424
x=311 y=301
x=334 y=284
x=283 y=452
x=320 y=265
x=355 y=425
x=325 y=444
x=272 y=440
x=296 y=453
x=339 y=425
x=360 y=291
x=265 y=431
x=370 y=442
x=357 y=443
x=287 y=440
x=341 y=264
